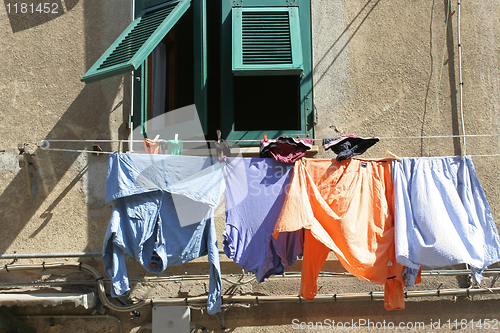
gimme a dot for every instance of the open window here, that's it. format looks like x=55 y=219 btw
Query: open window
x=253 y=55
x=164 y=48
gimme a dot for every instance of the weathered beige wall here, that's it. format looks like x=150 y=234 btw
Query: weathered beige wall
x=42 y=98
x=377 y=69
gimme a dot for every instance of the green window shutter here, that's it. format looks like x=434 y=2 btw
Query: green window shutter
x=134 y=45
x=266 y=41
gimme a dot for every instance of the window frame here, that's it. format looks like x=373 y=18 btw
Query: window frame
x=224 y=114
x=140 y=87
x=135 y=62
x=227 y=74
x=137 y=41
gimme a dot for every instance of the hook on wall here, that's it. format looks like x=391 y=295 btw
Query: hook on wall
x=27 y=163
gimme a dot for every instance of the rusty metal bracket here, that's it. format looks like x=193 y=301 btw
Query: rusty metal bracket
x=27 y=163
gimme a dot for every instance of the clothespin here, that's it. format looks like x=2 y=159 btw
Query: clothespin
x=392 y=155
x=265 y=137
x=218 y=136
x=147 y=142
x=176 y=136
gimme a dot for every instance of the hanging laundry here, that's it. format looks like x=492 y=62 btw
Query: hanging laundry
x=151 y=146
x=163 y=216
x=346 y=207
x=348 y=146
x=442 y=216
x=175 y=147
x=286 y=150
x=163 y=146
x=255 y=191
x=158 y=146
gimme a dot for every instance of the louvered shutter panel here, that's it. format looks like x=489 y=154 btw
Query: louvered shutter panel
x=266 y=41
x=134 y=45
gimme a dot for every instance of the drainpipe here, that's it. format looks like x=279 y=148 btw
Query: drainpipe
x=145 y=327
x=99 y=279
x=243 y=299
x=57 y=255
x=50 y=255
x=367 y=296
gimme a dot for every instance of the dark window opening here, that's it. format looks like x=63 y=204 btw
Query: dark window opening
x=266 y=102
x=170 y=69
x=213 y=68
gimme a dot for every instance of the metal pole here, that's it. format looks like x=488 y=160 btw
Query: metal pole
x=57 y=255
x=242 y=299
x=50 y=255
x=366 y=296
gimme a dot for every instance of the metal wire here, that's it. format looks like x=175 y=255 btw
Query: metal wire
x=258 y=140
x=461 y=81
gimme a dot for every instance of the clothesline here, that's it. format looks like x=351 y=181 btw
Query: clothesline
x=258 y=140
x=111 y=152
x=45 y=144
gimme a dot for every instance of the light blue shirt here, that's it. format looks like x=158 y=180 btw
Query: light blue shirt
x=163 y=216
x=442 y=216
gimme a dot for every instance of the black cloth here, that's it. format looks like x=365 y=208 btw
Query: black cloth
x=348 y=146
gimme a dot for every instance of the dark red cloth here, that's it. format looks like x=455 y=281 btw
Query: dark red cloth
x=285 y=150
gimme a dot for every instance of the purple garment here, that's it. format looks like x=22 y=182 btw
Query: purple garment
x=255 y=191
x=286 y=150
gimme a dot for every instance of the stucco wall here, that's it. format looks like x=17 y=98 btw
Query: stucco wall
x=379 y=68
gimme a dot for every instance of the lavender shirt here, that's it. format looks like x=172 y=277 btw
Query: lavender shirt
x=255 y=191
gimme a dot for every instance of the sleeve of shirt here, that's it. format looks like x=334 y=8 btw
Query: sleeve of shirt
x=119 y=277
x=402 y=215
x=214 y=300
x=114 y=263
x=114 y=258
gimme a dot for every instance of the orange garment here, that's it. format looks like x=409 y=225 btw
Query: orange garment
x=346 y=207
x=151 y=146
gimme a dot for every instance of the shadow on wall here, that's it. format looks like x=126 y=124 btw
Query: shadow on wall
x=78 y=122
x=28 y=14
x=430 y=104
x=86 y=117
x=350 y=30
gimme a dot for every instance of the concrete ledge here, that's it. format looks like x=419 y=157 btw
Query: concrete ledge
x=13 y=299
